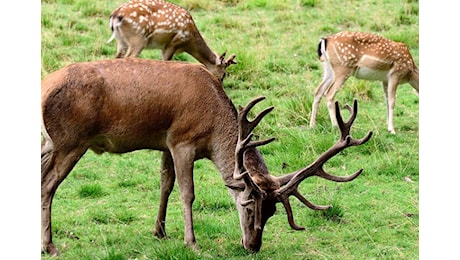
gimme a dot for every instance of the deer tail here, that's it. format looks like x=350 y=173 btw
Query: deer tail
x=115 y=22
x=322 y=49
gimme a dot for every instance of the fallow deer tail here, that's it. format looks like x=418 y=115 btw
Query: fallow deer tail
x=322 y=49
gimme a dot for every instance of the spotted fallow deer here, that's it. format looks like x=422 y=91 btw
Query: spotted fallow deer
x=365 y=56
x=181 y=109
x=157 y=24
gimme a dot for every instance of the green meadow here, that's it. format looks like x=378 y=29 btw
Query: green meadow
x=106 y=207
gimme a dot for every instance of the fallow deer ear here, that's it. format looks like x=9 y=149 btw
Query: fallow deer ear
x=239 y=186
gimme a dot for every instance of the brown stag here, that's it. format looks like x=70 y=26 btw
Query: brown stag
x=157 y=24
x=181 y=109
x=365 y=56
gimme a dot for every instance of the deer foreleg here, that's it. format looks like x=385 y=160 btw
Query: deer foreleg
x=183 y=156
x=167 y=184
x=167 y=53
x=414 y=81
x=171 y=48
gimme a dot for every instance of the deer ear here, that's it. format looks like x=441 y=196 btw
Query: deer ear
x=236 y=186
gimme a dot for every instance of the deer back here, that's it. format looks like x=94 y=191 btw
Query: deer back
x=128 y=104
x=153 y=23
x=363 y=50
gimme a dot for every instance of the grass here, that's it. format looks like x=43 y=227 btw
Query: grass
x=107 y=206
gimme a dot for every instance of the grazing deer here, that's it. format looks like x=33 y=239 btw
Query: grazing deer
x=181 y=109
x=365 y=56
x=156 y=24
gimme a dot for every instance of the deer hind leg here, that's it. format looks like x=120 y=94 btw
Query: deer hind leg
x=121 y=48
x=135 y=46
x=330 y=95
x=122 y=45
x=328 y=80
x=56 y=165
x=389 y=89
x=183 y=156
x=167 y=184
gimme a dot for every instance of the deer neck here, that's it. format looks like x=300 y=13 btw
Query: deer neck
x=223 y=155
x=201 y=51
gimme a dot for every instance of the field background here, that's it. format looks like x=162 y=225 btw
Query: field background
x=107 y=206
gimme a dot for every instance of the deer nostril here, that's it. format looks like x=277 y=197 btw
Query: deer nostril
x=253 y=247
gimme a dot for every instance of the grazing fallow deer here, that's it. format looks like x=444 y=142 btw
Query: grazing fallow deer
x=365 y=56
x=156 y=24
x=181 y=109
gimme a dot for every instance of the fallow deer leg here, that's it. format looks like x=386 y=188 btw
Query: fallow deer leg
x=167 y=53
x=121 y=47
x=135 y=46
x=328 y=80
x=330 y=95
x=392 y=86
x=414 y=82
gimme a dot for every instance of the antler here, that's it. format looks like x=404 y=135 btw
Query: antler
x=245 y=135
x=316 y=168
x=229 y=61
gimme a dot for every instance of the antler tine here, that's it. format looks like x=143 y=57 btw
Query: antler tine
x=230 y=60
x=246 y=126
x=345 y=126
x=245 y=142
x=316 y=168
x=242 y=146
x=287 y=206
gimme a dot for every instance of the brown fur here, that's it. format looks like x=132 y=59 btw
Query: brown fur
x=181 y=109
x=123 y=105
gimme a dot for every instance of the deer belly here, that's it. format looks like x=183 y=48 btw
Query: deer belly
x=160 y=38
x=370 y=74
x=372 y=68
x=124 y=144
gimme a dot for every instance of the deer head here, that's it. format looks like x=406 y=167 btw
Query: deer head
x=114 y=106
x=157 y=24
x=261 y=191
